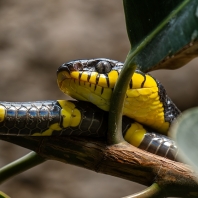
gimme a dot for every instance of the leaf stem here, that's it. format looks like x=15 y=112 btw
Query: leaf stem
x=114 y=135
x=22 y=164
x=117 y=102
x=154 y=191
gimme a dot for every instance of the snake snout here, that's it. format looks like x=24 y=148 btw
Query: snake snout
x=66 y=67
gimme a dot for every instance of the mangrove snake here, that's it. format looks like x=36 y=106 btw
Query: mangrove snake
x=147 y=108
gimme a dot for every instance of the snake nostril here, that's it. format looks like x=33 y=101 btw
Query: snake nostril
x=77 y=66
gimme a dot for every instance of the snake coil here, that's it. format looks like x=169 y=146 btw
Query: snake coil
x=148 y=111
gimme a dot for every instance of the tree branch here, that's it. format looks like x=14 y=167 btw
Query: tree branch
x=120 y=160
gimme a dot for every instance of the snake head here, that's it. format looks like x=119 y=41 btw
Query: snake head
x=89 y=80
x=99 y=65
x=92 y=71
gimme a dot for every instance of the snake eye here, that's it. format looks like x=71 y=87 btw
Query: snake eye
x=103 y=67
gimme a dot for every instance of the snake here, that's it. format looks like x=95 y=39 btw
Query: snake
x=147 y=113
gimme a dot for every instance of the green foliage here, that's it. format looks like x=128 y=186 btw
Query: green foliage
x=161 y=29
x=186 y=135
x=142 y=17
x=3 y=195
x=167 y=33
x=158 y=31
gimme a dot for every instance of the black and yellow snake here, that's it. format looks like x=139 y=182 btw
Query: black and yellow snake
x=146 y=104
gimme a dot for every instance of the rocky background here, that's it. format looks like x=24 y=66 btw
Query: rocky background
x=38 y=36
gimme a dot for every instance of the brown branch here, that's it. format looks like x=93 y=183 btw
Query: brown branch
x=121 y=160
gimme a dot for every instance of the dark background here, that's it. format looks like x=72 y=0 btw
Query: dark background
x=38 y=36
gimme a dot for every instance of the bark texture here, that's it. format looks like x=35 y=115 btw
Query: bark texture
x=120 y=160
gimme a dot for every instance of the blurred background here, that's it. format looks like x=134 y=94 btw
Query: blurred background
x=36 y=37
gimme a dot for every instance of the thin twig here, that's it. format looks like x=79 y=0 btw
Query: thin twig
x=154 y=191
x=20 y=165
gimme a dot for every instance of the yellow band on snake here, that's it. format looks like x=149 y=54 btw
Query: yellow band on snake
x=146 y=100
x=2 y=113
x=135 y=134
x=71 y=117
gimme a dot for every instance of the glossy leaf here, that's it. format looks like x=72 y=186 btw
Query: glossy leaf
x=185 y=133
x=166 y=32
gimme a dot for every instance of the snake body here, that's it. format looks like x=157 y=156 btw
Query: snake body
x=93 y=81
x=65 y=118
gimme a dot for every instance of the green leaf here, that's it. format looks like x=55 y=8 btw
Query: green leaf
x=185 y=133
x=3 y=195
x=166 y=32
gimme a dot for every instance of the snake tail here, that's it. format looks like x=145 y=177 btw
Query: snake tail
x=146 y=139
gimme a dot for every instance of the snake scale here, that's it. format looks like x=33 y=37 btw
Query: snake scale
x=147 y=115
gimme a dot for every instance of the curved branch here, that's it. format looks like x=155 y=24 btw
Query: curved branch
x=22 y=164
x=120 y=160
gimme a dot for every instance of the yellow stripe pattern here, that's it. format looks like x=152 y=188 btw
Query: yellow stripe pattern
x=2 y=113
x=135 y=134
x=71 y=117
x=142 y=101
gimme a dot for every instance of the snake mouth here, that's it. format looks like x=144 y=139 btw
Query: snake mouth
x=81 y=83
x=86 y=91
x=61 y=78
x=98 y=72
x=89 y=78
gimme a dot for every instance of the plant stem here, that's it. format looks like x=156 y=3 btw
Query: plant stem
x=154 y=191
x=117 y=102
x=22 y=164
